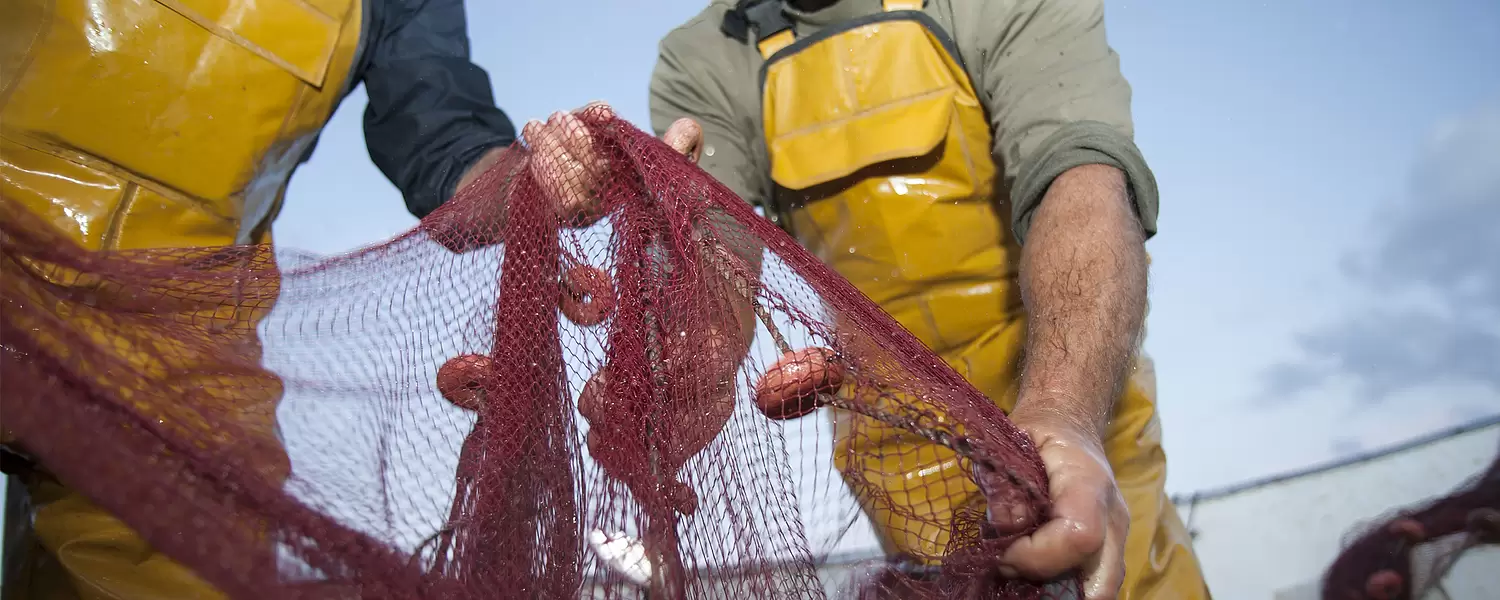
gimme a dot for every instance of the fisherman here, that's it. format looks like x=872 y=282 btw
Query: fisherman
x=969 y=166
x=144 y=124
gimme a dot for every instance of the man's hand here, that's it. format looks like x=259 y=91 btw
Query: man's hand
x=566 y=164
x=1089 y=520
x=686 y=137
x=1083 y=278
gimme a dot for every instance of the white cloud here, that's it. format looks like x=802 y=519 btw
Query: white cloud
x=1432 y=315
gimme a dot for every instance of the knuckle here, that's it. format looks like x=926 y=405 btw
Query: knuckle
x=1086 y=538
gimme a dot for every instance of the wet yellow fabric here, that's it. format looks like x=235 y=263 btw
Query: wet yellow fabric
x=880 y=150
x=1045 y=72
x=148 y=124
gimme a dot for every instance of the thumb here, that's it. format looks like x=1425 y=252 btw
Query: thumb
x=686 y=137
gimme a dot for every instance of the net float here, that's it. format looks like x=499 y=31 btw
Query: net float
x=587 y=295
x=463 y=379
x=682 y=497
x=1385 y=585
x=792 y=386
x=1408 y=529
x=591 y=399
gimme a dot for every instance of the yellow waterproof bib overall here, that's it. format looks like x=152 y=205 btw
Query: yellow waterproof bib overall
x=880 y=151
x=158 y=123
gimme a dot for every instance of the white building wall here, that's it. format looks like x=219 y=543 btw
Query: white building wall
x=1272 y=542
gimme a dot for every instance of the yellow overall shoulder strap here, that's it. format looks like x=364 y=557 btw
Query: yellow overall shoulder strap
x=895 y=5
x=774 y=31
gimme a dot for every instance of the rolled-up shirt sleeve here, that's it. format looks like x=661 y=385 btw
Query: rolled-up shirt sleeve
x=1058 y=100
x=431 y=111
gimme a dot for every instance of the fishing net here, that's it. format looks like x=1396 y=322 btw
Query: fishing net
x=533 y=402
x=1407 y=555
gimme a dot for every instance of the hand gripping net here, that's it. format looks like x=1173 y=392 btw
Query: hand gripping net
x=1406 y=555
x=508 y=406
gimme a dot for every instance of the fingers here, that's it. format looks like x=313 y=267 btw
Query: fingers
x=686 y=137
x=1071 y=539
x=1089 y=521
x=1106 y=573
x=566 y=165
x=569 y=166
x=551 y=163
x=1084 y=499
x=599 y=109
x=1007 y=507
x=580 y=143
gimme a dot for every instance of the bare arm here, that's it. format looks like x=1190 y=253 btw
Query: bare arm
x=1083 y=278
x=1083 y=200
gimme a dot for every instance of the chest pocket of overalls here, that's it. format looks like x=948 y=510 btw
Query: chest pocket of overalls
x=190 y=94
x=880 y=151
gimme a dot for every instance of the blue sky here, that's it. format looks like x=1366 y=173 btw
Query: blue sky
x=1326 y=279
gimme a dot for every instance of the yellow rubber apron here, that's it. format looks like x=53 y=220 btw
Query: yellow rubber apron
x=880 y=151
x=159 y=123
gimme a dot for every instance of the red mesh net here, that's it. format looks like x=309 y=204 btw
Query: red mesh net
x=503 y=404
x=1406 y=555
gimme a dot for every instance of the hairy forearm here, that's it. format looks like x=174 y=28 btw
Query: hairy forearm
x=1083 y=279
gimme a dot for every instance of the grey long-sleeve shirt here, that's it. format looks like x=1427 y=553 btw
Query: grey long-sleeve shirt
x=1050 y=82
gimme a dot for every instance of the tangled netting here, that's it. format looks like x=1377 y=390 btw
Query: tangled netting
x=504 y=404
x=1407 y=555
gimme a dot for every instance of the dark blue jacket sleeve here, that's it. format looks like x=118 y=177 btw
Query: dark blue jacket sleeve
x=432 y=111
